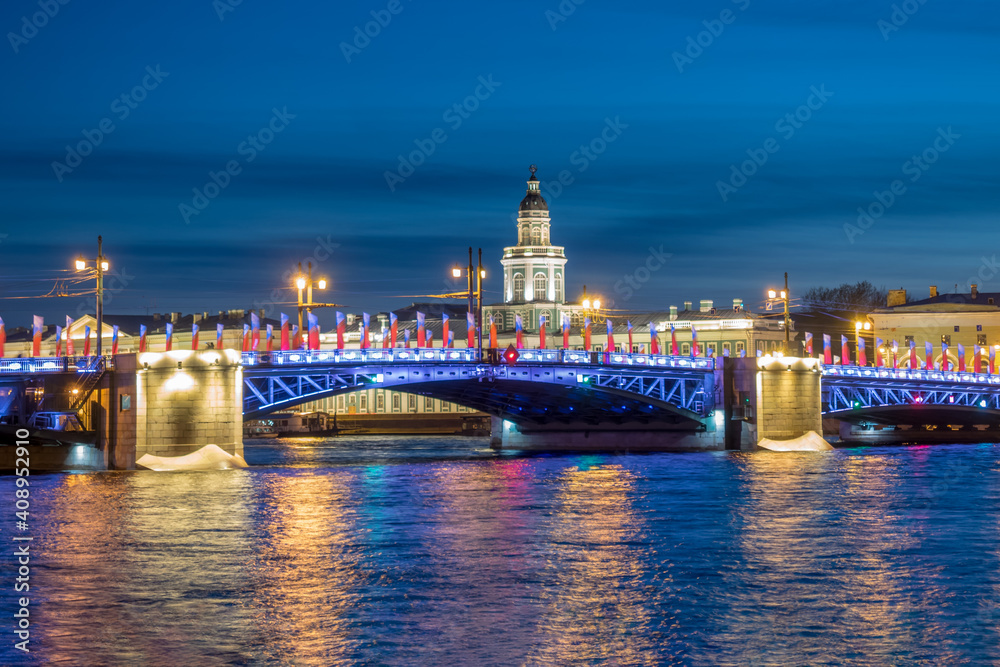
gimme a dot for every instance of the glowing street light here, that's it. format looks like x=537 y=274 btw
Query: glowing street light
x=305 y=282
x=475 y=294
x=774 y=295
x=100 y=266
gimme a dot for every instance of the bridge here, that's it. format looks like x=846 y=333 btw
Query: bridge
x=166 y=402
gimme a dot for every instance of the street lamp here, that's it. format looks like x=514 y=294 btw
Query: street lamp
x=475 y=295
x=774 y=295
x=858 y=328
x=100 y=267
x=305 y=282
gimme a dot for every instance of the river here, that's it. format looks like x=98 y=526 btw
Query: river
x=438 y=551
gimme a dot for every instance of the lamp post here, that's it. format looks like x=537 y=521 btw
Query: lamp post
x=305 y=282
x=858 y=327
x=773 y=295
x=100 y=266
x=475 y=295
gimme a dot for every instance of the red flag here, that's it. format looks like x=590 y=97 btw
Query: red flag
x=37 y=324
x=541 y=332
x=993 y=359
x=929 y=353
x=421 y=329
x=393 y=327
x=296 y=337
x=313 y=331
x=493 y=334
x=586 y=333
x=270 y=337
x=86 y=341
x=284 y=332
x=673 y=341
x=366 y=324
x=444 y=330
x=429 y=339
x=255 y=332
x=246 y=337
x=694 y=341
x=194 y=336
x=845 y=352
x=341 y=330
x=566 y=322
x=471 y=322
x=58 y=340
x=914 y=363
x=385 y=338
x=218 y=336
x=629 y=324
x=3 y=338
x=611 y=336
x=977 y=359
x=961 y=358
x=406 y=338
x=654 y=340
x=114 y=341
x=878 y=352
x=70 y=352
x=142 y=340
x=519 y=332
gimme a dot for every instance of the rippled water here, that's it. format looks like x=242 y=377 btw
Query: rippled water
x=403 y=551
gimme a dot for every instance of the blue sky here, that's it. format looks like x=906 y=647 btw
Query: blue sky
x=319 y=188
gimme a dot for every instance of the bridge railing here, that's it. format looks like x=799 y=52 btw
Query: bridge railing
x=35 y=365
x=869 y=373
x=466 y=355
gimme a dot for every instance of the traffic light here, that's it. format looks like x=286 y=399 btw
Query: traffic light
x=511 y=355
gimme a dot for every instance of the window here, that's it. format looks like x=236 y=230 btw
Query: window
x=946 y=339
x=979 y=327
x=907 y=340
x=541 y=287
x=364 y=402
x=445 y=406
x=990 y=301
x=956 y=328
x=575 y=320
x=557 y=282
x=340 y=402
x=380 y=402
x=740 y=346
x=411 y=403
x=685 y=348
x=396 y=403
x=727 y=347
x=518 y=287
x=981 y=339
x=428 y=404
x=536 y=236
x=510 y=321
x=548 y=320
x=711 y=347
x=635 y=349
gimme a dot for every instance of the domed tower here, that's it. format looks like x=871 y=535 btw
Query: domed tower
x=534 y=269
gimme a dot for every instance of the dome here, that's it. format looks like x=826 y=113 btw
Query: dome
x=533 y=201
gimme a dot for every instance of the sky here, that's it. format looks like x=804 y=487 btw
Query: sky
x=705 y=148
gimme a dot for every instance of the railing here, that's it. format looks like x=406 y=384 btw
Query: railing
x=466 y=355
x=869 y=373
x=33 y=365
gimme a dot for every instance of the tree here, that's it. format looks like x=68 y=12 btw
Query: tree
x=861 y=296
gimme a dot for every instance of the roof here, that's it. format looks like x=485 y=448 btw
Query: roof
x=950 y=302
x=533 y=201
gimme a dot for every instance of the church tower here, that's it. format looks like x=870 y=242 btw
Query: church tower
x=534 y=269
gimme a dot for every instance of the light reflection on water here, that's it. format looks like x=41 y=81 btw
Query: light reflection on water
x=433 y=551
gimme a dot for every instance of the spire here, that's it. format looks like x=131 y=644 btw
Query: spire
x=532 y=169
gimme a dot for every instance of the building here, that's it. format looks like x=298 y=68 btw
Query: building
x=966 y=319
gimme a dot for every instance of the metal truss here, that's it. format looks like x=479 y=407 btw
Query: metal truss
x=843 y=394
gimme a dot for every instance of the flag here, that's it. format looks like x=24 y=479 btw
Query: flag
x=914 y=364
x=142 y=340
x=944 y=357
x=862 y=360
x=421 y=329
x=37 y=324
x=628 y=325
x=385 y=338
x=218 y=336
x=827 y=352
x=977 y=359
x=341 y=330
x=895 y=354
x=611 y=336
x=493 y=334
x=393 y=326
x=284 y=332
x=114 y=340
x=674 y=350
x=270 y=337
x=406 y=337
x=961 y=358
x=845 y=351
x=69 y=341
x=993 y=365
x=169 y=338
x=471 y=325
x=255 y=332
x=366 y=324
x=519 y=331
x=444 y=330
x=565 y=330
x=296 y=337
x=429 y=339
x=809 y=344
x=3 y=338
x=194 y=336
x=586 y=334
x=58 y=340
x=541 y=332
x=246 y=338
x=929 y=355
x=451 y=339
x=86 y=341
x=313 y=331
x=878 y=352
x=694 y=341
x=654 y=341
